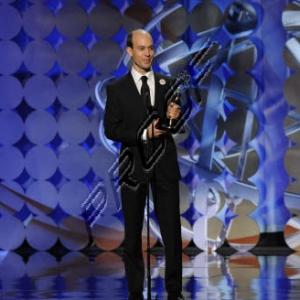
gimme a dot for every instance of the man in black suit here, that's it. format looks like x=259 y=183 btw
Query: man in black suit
x=130 y=100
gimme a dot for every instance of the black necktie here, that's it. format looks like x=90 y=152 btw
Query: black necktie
x=145 y=93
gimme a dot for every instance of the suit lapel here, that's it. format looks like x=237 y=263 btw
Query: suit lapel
x=134 y=95
x=159 y=94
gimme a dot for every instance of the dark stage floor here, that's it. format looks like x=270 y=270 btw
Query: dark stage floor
x=78 y=276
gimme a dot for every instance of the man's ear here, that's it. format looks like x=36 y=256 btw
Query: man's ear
x=129 y=51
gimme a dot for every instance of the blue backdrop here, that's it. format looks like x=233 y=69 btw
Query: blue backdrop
x=238 y=156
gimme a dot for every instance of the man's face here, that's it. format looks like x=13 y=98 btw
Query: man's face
x=142 y=51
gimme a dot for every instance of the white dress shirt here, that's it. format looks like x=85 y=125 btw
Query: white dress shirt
x=138 y=82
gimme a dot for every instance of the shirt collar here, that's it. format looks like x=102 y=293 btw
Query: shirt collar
x=137 y=76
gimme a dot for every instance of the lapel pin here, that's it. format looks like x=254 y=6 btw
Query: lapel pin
x=162 y=81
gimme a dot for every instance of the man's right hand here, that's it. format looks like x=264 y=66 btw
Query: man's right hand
x=152 y=131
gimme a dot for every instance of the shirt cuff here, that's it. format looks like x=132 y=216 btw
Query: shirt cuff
x=144 y=135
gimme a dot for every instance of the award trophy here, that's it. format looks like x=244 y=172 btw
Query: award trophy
x=200 y=66
x=178 y=85
x=174 y=101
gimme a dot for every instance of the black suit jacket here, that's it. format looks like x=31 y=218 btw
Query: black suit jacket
x=125 y=113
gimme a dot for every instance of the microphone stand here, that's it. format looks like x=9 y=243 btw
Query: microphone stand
x=148 y=149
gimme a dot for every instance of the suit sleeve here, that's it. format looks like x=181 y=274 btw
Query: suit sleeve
x=114 y=123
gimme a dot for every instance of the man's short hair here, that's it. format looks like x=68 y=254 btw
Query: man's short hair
x=130 y=35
